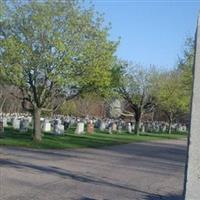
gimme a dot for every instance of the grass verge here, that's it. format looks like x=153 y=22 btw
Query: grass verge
x=70 y=140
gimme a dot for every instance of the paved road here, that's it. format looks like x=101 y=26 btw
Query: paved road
x=138 y=171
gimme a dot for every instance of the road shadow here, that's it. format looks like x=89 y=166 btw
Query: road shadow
x=80 y=177
x=166 y=197
x=86 y=198
x=168 y=152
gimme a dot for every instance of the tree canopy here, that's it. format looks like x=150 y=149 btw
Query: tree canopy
x=53 y=49
x=135 y=86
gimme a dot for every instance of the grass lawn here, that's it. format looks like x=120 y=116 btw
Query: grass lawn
x=70 y=140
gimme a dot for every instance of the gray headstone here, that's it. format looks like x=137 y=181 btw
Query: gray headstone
x=192 y=180
x=24 y=125
x=102 y=126
x=59 y=129
x=110 y=130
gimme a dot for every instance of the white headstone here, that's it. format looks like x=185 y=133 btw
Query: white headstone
x=46 y=126
x=79 y=128
x=29 y=119
x=143 y=128
x=16 y=124
x=5 y=122
x=129 y=128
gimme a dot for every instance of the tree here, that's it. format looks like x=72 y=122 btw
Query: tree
x=135 y=87
x=185 y=66
x=54 y=49
x=172 y=99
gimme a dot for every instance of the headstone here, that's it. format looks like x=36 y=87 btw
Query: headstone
x=102 y=126
x=79 y=128
x=66 y=124
x=114 y=127
x=90 y=127
x=16 y=124
x=192 y=179
x=150 y=127
x=133 y=127
x=110 y=129
x=24 y=125
x=157 y=128
x=5 y=124
x=29 y=119
x=163 y=128
x=8 y=119
x=129 y=128
x=119 y=128
x=46 y=127
x=143 y=128
x=59 y=129
x=57 y=121
x=97 y=124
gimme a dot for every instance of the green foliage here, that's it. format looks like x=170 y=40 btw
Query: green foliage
x=170 y=93
x=52 y=48
x=174 y=88
x=185 y=66
x=68 y=108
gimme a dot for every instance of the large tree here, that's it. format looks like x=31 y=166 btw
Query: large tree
x=53 y=49
x=135 y=87
x=172 y=99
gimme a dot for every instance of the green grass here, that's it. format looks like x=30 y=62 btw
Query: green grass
x=70 y=140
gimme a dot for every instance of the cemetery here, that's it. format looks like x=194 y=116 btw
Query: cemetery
x=82 y=117
x=78 y=132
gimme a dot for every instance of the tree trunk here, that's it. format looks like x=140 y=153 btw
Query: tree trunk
x=170 y=127
x=170 y=123
x=138 y=115
x=2 y=105
x=137 y=127
x=37 y=135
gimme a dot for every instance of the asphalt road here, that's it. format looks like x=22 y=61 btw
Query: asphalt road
x=138 y=171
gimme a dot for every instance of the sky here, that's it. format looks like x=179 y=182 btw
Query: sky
x=152 y=32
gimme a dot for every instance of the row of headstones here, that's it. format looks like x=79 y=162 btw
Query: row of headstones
x=162 y=127
x=59 y=125
x=21 y=124
x=56 y=126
